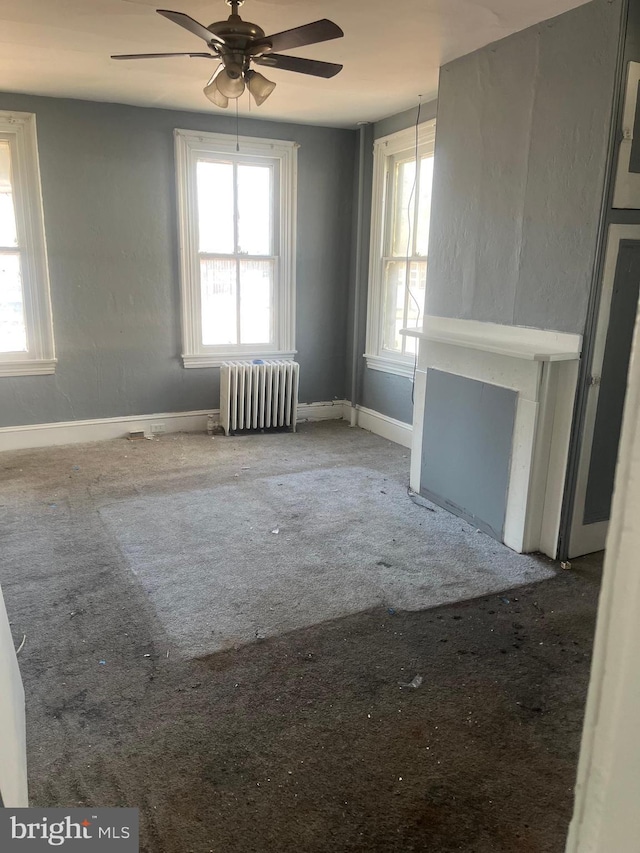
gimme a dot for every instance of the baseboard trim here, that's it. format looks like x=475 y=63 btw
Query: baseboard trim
x=382 y=425
x=31 y=436
x=330 y=411
x=99 y=429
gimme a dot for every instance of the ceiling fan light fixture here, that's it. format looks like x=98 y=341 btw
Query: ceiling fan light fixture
x=259 y=86
x=214 y=94
x=236 y=43
x=229 y=81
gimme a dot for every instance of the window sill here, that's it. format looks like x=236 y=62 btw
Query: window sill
x=28 y=367
x=388 y=364
x=210 y=360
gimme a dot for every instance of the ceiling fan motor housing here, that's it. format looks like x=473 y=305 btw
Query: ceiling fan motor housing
x=238 y=36
x=237 y=32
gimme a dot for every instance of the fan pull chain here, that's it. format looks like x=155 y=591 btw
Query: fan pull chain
x=237 y=136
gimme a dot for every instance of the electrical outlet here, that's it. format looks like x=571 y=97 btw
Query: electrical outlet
x=157 y=429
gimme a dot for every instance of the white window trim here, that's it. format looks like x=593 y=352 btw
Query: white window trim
x=39 y=358
x=189 y=145
x=377 y=358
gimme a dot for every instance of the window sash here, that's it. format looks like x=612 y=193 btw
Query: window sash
x=23 y=333
x=234 y=307
x=235 y=201
x=238 y=261
x=395 y=210
x=16 y=250
x=237 y=256
x=19 y=129
x=280 y=157
x=411 y=294
x=386 y=349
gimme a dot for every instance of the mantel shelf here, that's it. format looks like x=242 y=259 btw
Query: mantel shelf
x=512 y=341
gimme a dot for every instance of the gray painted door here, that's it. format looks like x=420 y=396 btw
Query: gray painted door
x=613 y=384
x=605 y=403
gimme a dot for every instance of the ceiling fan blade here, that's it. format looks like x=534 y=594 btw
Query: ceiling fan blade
x=158 y=55
x=189 y=24
x=318 y=31
x=301 y=66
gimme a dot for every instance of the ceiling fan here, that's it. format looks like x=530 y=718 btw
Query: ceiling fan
x=237 y=44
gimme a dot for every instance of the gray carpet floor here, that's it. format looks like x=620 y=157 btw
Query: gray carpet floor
x=261 y=554
x=242 y=687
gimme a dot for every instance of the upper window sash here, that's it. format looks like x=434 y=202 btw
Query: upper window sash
x=19 y=129
x=236 y=202
x=405 y=234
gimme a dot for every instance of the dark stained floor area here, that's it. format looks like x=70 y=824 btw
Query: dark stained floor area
x=306 y=741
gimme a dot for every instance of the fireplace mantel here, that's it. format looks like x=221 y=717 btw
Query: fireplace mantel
x=540 y=366
x=511 y=341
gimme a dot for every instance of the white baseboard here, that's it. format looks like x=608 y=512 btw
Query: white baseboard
x=102 y=429
x=331 y=411
x=382 y=425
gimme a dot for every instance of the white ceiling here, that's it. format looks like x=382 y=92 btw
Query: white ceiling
x=391 y=51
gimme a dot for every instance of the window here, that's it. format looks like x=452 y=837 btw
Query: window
x=237 y=219
x=399 y=246
x=26 y=334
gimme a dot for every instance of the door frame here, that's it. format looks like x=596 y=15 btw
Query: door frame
x=586 y=538
x=13 y=743
x=606 y=815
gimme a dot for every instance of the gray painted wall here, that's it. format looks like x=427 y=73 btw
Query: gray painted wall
x=403 y=120
x=109 y=200
x=382 y=392
x=519 y=172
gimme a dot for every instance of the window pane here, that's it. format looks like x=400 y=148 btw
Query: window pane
x=8 y=235
x=424 y=206
x=402 y=214
x=415 y=305
x=215 y=207
x=13 y=332
x=394 y=292
x=254 y=210
x=218 y=290
x=256 y=298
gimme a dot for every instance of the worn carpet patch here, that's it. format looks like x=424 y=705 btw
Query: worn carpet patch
x=261 y=556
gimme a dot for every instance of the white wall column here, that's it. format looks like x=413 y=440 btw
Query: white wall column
x=13 y=745
x=606 y=816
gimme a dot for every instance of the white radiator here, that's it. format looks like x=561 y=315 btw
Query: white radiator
x=258 y=396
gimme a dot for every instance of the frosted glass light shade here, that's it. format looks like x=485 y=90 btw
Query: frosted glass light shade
x=216 y=97
x=259 y=86
x=214 y=94
x=230 y=82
